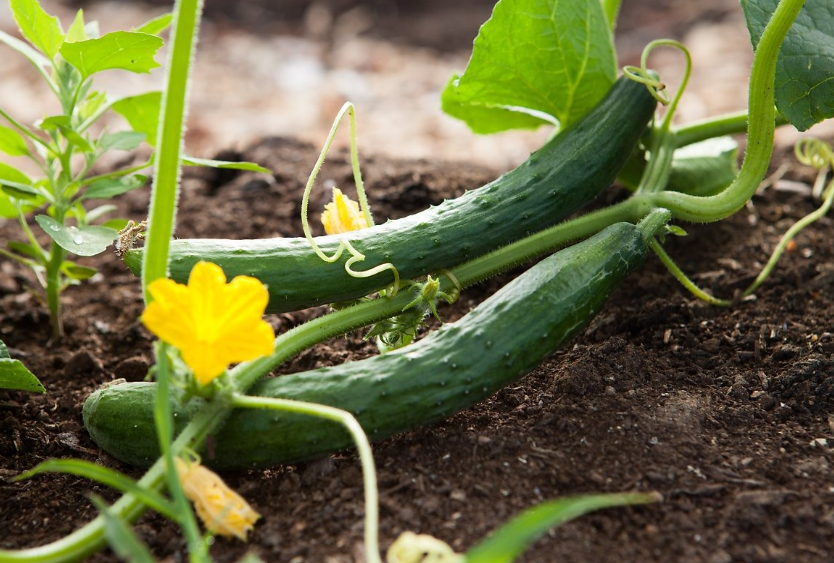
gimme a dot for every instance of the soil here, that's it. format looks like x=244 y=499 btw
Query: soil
x=725 y=412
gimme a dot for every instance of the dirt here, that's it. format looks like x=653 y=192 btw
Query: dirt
x=725 y=412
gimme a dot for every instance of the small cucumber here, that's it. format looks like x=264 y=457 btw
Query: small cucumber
x=447 y=371
x=569 y=171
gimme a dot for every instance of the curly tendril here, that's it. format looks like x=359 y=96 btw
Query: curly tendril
x=813 y=152
x=344 y=244
x=651 y=80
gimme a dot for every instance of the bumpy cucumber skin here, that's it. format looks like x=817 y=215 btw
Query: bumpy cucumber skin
x=569 y=171
x=454 y=368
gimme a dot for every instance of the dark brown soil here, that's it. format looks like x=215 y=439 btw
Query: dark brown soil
x=726 y=412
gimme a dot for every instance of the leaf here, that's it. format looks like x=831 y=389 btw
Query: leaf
x=485 y=120
x=12 y=143
x=120 y=537
x=509 y=541
x=549 y=59
x=34 y=56
x=122 y=141
x=110 y=187
x=14 y=375
x=83 y=241
x=39 y=28
x=63 y=124
x=117 y=223
x=705 y=168
x=76 y=271
x=76 y=31
x=105 y=476
x=92 y=104
x=248 y=166
x=100 y=211
x=804 y=87
x=126 y=50
x=142 y=113
x=157 y=25
x=25 y=249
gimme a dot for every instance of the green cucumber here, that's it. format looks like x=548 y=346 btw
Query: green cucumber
x=447 y=371
x=569 y=171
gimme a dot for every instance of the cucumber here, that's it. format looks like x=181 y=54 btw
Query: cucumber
x=447 y=371
x=569 y=171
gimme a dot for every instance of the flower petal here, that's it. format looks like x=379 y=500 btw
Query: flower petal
x=166 y=317
x=252 y=341
x=207 y=360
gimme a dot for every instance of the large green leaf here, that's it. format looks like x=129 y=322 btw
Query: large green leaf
x=83 y=241
x=549 y=60
x=126 y=50
x=509 y=541
x=39 y=28
x=805 y=68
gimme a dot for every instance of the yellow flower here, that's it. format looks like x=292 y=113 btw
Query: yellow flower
x=213 y=323
x=342 y=215
x=222 y=510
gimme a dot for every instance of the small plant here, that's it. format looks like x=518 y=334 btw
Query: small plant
x=65 y=147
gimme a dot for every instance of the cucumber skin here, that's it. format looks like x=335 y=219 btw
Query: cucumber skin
x=568 y=172
x=452 y=369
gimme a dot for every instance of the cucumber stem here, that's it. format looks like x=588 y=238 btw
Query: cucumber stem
x=363 y=446
x=761 y=126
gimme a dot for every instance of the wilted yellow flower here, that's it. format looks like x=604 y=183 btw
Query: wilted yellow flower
x=213 y=323
x=222 y=510
x=342 y=215
x=421 y=548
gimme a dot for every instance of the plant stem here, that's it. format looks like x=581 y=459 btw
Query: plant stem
x=53 y=289
x=760 y=131
x=727 y=124
x=164 y=195
x=363 y=446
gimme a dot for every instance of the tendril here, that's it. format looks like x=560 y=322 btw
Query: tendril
x=344 y=244
x=651 y=80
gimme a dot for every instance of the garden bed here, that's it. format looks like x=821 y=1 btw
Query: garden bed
x=725 y=412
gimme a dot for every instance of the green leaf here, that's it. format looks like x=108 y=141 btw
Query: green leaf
x=12 y=143
x=105 y=476
x=126 y=50
x=76 y=31
x=804 y=86
x=11 y=174
x=485 y=120
x=549 y=59
x=100 y=211
x=25 y=249
x=39 y=28
x=117 y=223
x=248 y=166
x=76 y=271
x=83 y=241
x=120 y=537
x=122 y=141
x=34 y=56
x=157 y=25
x=509 y=541
x=142 y=113
x=14 y=375
x=92 y=104
x=705 y=168
x=110 y=187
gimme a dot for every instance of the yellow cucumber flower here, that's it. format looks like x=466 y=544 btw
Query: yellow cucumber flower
x=222 y=510
x=342 y=215
x=212 y=323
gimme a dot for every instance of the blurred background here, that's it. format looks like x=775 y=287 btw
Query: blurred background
x=270 y=67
